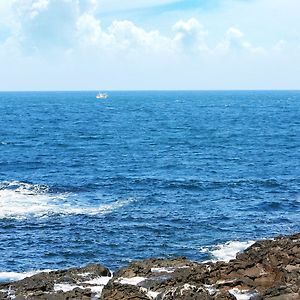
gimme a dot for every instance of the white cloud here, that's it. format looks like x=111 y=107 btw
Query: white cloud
x=70 y=36
x=120 y=35
x=88 y=29
x=234 y=34
x=8 y=18
x=71 y=21
x=37 y=7
x=234 y=40
x=190 y=34
x=127 y=35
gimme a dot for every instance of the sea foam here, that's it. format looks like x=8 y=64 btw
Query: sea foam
x=21 y=200
x=15 y=276
x=226 y=252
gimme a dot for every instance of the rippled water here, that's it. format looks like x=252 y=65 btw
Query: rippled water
x=143 y=174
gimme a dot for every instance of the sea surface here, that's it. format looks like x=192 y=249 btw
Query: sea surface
x=144 y=174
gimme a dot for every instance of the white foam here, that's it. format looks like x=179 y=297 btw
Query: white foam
x=97 y=289
x=186 y=287
x=132 y=281
x=22 y=200
x=167 y=269
x=84 y=274
x=163 y=270
x=15 y=276
x=101 y=209
x=227 y=251
x=152 y=294
x=10 y=293
x=242 y=294
x=103 y=280
x=210 y=288
x=96 y=285
x=66 y=287
x=7 y=291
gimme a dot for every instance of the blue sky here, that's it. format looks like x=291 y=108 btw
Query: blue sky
x=143 y=44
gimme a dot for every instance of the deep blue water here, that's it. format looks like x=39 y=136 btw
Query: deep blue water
x=143 y=174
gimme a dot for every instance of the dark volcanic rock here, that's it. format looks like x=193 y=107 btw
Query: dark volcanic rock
x=119 y=291
x=74 y=283
x=268 y=269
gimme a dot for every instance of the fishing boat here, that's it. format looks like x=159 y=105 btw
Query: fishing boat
x=101 y=96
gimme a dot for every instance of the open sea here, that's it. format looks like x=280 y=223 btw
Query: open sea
x=144 y=174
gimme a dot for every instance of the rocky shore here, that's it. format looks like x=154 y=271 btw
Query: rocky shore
x=269 y=269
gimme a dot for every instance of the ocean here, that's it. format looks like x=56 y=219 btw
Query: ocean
x=144 y=174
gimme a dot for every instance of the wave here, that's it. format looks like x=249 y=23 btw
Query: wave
x=15 y=276
x=21 y=200
x=226 y=252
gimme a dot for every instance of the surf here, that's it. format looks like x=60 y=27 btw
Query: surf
x=20 y=200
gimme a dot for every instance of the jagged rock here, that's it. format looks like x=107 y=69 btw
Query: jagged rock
x=187 y=292
x=269 y=269
x=123 y=292
x=56 y=284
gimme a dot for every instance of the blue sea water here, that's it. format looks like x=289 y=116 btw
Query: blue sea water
x=143 y=174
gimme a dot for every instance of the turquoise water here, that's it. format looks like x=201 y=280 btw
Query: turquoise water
x=143 y=174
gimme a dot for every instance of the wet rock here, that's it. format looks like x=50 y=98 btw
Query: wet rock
x=123 y=292
x=187 y=292
x=74 y=283
x=268 y=269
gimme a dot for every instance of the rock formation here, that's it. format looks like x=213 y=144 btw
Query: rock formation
x=75 y=283
x=269 y=269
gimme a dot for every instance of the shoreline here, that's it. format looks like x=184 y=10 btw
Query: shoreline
x=268 y=269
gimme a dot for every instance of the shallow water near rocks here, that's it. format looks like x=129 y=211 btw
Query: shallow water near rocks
x=143 y=174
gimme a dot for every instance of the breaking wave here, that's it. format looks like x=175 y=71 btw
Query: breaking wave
x=226 y=252
x=15 y=276
x=22 y=200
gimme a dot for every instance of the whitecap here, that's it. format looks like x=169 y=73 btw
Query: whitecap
x=15 y=276
x=226 y=252
x=20 y=200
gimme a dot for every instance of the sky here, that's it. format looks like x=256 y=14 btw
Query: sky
x=149 y=44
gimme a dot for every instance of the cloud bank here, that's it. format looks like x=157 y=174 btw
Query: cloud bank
x=65 y=37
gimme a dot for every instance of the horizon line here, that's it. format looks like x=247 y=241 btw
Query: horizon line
x=153 y=90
